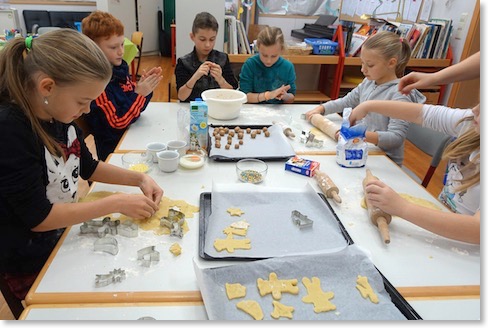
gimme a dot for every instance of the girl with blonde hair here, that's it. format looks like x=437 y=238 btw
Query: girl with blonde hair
x=384 y=57
x=462 y=190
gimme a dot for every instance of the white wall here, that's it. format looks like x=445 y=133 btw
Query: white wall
x=148 y=19
x=123 y=10
x=185 y=11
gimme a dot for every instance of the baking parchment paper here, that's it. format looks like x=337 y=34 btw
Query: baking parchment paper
x=337 y=272
x=272 y=231
x=274 y=146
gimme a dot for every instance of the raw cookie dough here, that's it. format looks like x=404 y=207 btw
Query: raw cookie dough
x=365 y=289
x=240 y=225
x=316 y=296
x=153 y=222
x=235 y=290
x=411 y=199
x=275 y=286
x=230 y=244
x=233 y=231
x=234 y=211
x=282 y=310
x=252 y=308
x=175 y=249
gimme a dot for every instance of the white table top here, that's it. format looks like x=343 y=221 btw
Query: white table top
x=415 y=258
x=159 y=123
x=448 y=309
x=116 y=311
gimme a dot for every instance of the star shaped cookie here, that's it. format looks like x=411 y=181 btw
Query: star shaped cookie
x=234 y=211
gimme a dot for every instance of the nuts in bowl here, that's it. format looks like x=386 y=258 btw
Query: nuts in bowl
x=251 y=170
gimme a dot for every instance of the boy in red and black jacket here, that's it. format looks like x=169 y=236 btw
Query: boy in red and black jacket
x=123 y=100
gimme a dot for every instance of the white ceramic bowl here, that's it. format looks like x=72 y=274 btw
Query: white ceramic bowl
x=224 y=104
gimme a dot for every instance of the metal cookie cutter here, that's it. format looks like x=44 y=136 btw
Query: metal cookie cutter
x=148 y=255
x=106 y=244
x=174 y=221
x=102 y=280
x=302 y=221
x=128 y=229
x=101 y=228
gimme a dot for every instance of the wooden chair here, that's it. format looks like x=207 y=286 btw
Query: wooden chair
x=136 y=38
x=15 y=305
x=173 y=93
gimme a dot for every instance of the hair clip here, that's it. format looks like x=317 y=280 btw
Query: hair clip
x=28 y=43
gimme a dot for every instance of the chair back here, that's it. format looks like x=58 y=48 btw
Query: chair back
x=430 y=142
x=137 y=38
x=427 y=140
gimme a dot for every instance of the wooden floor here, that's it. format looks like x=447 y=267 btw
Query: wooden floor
x=415 y=160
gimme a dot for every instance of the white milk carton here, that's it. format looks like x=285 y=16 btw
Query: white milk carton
x=199 y=123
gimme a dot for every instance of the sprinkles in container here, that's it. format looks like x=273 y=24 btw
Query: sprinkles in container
x=251 y=170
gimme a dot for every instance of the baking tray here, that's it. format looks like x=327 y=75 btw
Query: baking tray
x=206 y=210
x=220 y=158
x=220 y=308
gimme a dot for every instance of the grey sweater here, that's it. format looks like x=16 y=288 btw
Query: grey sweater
x=391 y=132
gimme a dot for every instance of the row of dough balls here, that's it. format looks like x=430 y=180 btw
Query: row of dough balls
x=220 y=132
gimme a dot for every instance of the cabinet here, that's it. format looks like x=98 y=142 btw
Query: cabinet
x=339 y=74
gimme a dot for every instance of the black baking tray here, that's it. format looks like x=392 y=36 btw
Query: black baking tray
x=219 y=158
x=206 y=209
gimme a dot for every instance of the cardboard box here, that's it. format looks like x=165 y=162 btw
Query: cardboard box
x=302 y=166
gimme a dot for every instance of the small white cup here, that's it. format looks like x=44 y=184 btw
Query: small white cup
x=168 y=160
x=179 y=145
x=153 y=148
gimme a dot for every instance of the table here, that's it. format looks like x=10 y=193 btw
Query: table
x=448 y=309
x=417 y=262
x=116 y=311
x=159 y=122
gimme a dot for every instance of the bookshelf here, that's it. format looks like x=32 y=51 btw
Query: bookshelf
x=352 y=67
x=335 y=69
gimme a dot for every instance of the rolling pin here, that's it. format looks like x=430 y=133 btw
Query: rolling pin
x=325 y=125
x=327 y=186
x=378 y=217
x=287 y=131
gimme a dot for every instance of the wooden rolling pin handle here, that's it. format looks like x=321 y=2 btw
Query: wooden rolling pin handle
x=382 y=223
x=378 y=217
x=336 y=197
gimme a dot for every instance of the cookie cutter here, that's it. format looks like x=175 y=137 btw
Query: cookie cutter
x=102 y=280
x=300 y=220
x=100 y=227
x=174 y=221
x=128 y=229
x=147 y=255
x=106 y=244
